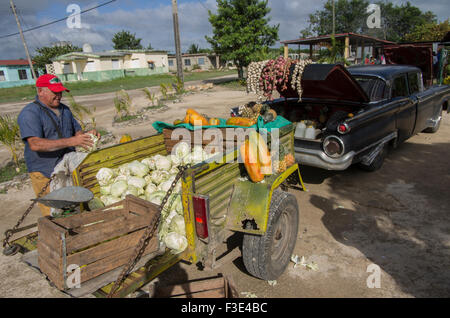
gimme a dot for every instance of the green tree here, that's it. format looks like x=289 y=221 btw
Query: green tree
x=45 y=54
x=241 y=30
x=193 y=49
x=124 y=40
x=351 y=15
x=429 y=32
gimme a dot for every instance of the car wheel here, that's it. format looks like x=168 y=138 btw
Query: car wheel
x=438 y=120
x=267 y=256
x=377 y=163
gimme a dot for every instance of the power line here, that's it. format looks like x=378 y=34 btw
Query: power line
x=56 y=21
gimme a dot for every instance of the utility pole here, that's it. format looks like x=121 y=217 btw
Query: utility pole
x=13 y=7
x=334 y=20
x=176 y=31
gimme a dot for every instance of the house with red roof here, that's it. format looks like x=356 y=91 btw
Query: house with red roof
x=15 y=73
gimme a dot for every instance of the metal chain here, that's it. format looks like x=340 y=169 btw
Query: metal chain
x=146 y=237
x=10 y=232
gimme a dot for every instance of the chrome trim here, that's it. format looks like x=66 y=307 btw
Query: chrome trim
x=339 y=141
x=347 y=128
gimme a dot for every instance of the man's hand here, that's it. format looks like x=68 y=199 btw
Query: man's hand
x=95 y=133
x=82 y=140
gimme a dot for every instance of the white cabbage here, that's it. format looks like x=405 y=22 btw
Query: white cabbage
x=118 y=188
x=156 y=197
x=177 y=225
x=174 y=170
x=176 y=242
x=105 y=176
x=176 y=161
x=150 y=163
x=105 y=190
x=165 y=186
x=124 y=170
x=136 y=182
x=187 y=159
x=92 y=148
x=109 y=199
x=150 y=188
x=121 y=178
x=163 y=163
x=182 y=149
x=138 y=169
x=130 y=190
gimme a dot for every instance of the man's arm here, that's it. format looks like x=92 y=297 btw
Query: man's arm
x=48 y=145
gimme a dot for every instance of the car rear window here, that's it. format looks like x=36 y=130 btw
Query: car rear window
x=374 y=87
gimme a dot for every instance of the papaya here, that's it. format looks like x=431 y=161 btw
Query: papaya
x=264 y=157
x=240 y=121
x=214 y=121
x=250 y=157
x=125 y=138
x=195 y=118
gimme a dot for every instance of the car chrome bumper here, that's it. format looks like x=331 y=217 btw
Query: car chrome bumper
x=317 y=158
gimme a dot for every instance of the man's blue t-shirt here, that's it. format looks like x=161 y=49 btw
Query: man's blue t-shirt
x=35 y=122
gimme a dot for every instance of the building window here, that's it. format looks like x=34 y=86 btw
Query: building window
x=23 y=74
x=201 y=61
x=187 y=62
x=170 y=62
x=2 y=76
x=67 y=68
x=115 y=64
x=151 y=65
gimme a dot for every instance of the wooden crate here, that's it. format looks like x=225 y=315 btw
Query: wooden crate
x=97 y=241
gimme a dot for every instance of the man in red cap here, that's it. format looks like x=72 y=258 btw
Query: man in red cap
x=49 y=131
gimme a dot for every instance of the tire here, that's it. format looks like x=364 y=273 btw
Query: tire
x=267 y=256
x=377 y=163
x=432 y=130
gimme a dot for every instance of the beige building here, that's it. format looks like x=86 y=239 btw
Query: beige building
x=102 y=66
x=201 y=61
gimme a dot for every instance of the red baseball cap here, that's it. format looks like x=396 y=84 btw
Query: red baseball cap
x=52 y=82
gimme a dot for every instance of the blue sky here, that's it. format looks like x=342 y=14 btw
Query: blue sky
x=150 y=20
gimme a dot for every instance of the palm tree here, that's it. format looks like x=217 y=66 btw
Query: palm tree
x=10 y=135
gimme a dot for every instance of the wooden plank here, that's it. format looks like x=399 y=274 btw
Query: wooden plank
x=78 y=220
x=106 y=249
x=191 y=287
x=114 y=261
x=215 y=293
x=106 y=231
x=51 y=256
x=53 y=274
x=50 y=233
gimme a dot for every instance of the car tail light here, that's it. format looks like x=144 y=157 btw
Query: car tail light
x=343 y=128
x=333 y=146
x=201 y=215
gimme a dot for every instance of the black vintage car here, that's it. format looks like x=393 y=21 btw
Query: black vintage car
x=358 y=112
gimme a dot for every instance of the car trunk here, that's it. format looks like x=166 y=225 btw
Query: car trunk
x=330 y=94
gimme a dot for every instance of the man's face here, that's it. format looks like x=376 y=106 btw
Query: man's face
x=49 y=98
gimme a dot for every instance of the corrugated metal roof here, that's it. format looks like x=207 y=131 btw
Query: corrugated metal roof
x=14 y=62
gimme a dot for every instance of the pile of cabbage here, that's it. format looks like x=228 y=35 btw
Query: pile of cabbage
x=150 y=179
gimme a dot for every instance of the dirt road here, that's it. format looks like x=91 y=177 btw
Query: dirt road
x=396 y=218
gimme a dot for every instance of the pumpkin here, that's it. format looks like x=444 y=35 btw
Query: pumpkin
x=125 y=138
x=214 y=121
x=186 y=119
x=240 y=121
x=177 y=122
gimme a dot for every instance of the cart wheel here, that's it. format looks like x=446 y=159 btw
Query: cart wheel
x=267 y=256
x=11 y=250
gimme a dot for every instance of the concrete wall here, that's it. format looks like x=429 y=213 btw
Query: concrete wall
x=209 y=62
x=12 y=76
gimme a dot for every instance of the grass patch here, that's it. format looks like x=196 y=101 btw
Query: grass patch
x=125 y=118
x=234 y=84
x=8 y=172
x=28 y=92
